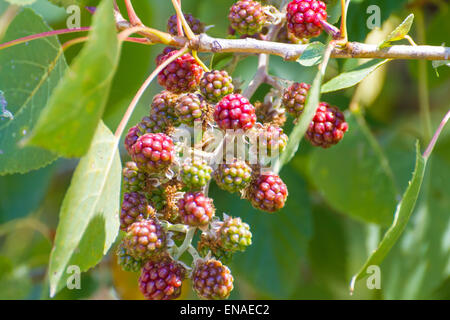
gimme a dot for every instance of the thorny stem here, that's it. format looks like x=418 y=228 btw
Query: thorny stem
x=433 y=141
x=186 y=243
x=142 y=89
x=41 y=35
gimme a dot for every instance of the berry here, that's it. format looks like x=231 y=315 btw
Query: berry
x=234 y=111
x=134 y=180
x=196 y=25
x=157 y=198
x=145 y=239
x=215 y=85
x=153 y=152
x=209 y=243
x=327 y=127
x=161 y=280
x=134 y=208
x=286 y=36
x=196 y=173
x=181 y=75
x=247 y=17
x=304 y=16
x=127 y=262
x=163 y=110
x=212 y=280
x=234 y=234
x=234 y=176
x=271 y=140
x=190 y=107
x=294 y=98
x=196 y=209
x=131 y=138
x=268 y=192
x=147 y=125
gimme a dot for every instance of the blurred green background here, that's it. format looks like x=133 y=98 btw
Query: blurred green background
x=322 y=237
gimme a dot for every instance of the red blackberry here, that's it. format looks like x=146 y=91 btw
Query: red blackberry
x=234 y=176
x=327 y=127
x=235 y=112
x=215 y=85
x=195 y=24
x=145 y=239
x=181 y=75
x=147 y=125
x=247 y=16
x=190 y=107
x=153 y=152
x=294 y=98
x=212 y=280
x=304 y=16
x=134 y=180
x=161 y=280
x=134 y=208
x=196 y=209
x=267 y=193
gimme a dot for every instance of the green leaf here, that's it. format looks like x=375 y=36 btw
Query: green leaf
x=88 y=223
x=312 y=55
x=341 y=174
x=66 y=3
x=69 y=122
x=399 y=33
x=311 y=104
x=28 y=74
x=401 y=218
x=21 y=2
x=353 y=77
x=280 y=240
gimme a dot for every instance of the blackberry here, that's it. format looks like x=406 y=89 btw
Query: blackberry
x=126 y=261
x=294 y=98
x=304 y=16
x=134 y=208
x=145 y=239
x=212 y=280
x=195 y=173
x=234 y=234
x=195 y=209
x=235 y=112
x=163 y=110
x=215 y=85
x=134 y=180
x=153 y=152
x=247 y=17
x=267 y=193
x=195 y=24
x=234 y=176
x=271 y=139
x=190 y=107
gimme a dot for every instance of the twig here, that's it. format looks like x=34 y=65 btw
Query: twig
x=430 y=147
x=134 y=19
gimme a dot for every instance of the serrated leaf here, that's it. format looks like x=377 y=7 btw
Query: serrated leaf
x=312 y=55
x=29 y=73
x=353 y=77
x=399 y=33
x=67 y=125
x=299 y=130
x=401 y=218
x=88 y=222
x=341 y=174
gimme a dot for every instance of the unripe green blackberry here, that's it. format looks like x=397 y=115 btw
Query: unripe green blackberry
x=195 y=24
x=162 y=280
x=233 y=177
x=215 y=85
x=134 y=208
x=270 y=140
x=195 y=173
x=209 y=243
x=234 y=234
x=294 y=98
x=163 y=109
x=157 y=198
x=247 y=16
x=212 y=280
x=126 y=261
x=134 y=180
x=190 y=107
x=145 y=239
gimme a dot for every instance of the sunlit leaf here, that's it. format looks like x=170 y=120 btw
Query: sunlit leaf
x=400 y=32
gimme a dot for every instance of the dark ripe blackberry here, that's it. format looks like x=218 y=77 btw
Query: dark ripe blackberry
x=304 y=16
x=190 y=107
x=162 y=280
x=233 y=177
x=181 y=75
x=267 y=193
x=134 y=180
x=145 y=239
x=247 y=17
x=153 y=152
x=195 y=24
x=294 y=98
x=215 y=85
x=134 y=208
x=212 y=280
x=327 y=127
